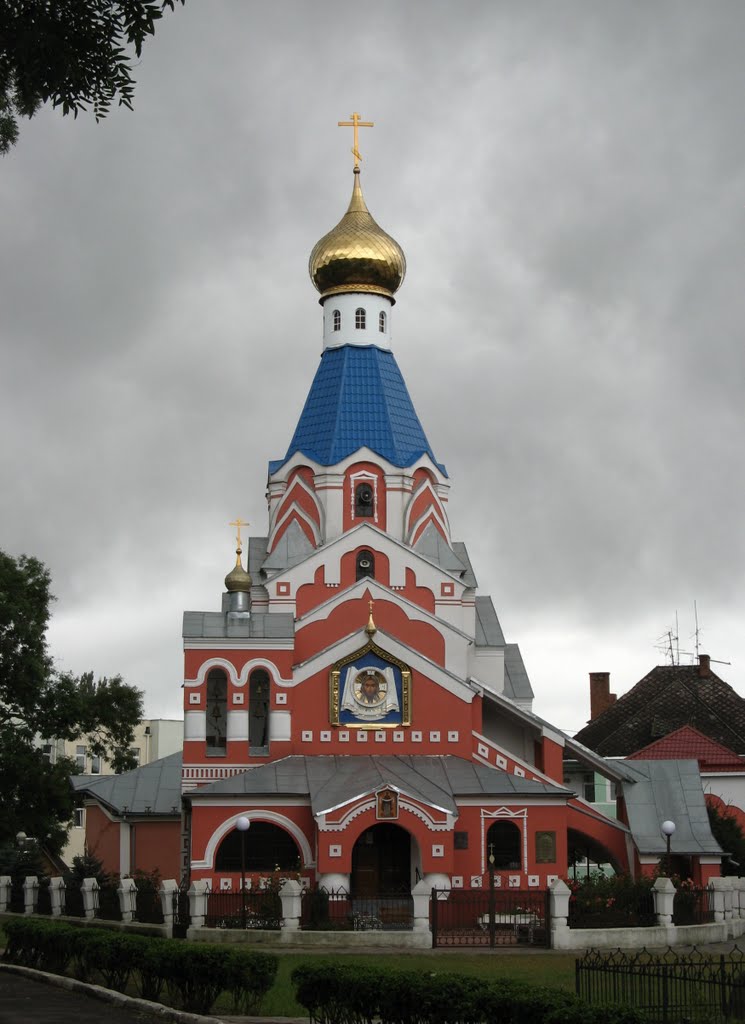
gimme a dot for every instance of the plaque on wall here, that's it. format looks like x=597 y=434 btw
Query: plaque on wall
x=370 y=690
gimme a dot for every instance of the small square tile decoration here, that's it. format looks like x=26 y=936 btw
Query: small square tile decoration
x=533 y=881
x=325 y=736
x=344 y=736
x=483 y=751
x=238 y=698
x=438 y=850
x=501 y=761
x=361 y=736
x=226 y=883
x=550 y=879
x=398 y=737
x=280 y=698
x=194 y=698
x=476 y=881
x=514 y=882
x=307 y=736
x=416 y=736
x=452 y=736
x=380 y=736
x=434 y=736
x=335 y=850
x=519 y=772
x=457 y=881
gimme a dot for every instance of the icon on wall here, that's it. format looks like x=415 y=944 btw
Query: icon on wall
x=370 y=689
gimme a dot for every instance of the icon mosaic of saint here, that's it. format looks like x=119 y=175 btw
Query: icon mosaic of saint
x=369 y=693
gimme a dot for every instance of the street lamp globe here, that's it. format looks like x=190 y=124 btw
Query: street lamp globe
x=243 y=824
x=667 y=828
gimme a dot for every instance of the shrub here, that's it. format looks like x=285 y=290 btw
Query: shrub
x=359 y=995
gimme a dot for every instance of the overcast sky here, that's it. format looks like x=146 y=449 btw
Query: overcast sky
x=568 y=184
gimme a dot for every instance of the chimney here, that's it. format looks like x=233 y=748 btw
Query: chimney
x=704 y=666
x=600 y=696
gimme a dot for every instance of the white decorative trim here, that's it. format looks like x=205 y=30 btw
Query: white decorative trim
x=254 y=815
x=307 y=735
x=280 y=698
x=287 y=490
x=335 y=850
x=195 y=698
x=452 y=736
x=398 y=737
x=434 y=736
x=514 y=882
x=302 y=514
x=501 y=762
x=550 y=879
x=380 y=736
x=456 y=882
x=533 y=881
x=476 y=881
x=344 y=736
x=416 y=736
x=238 y=698
x=226 y=884
x=325 y=736
x=362 y=735
x=438 y=850
x=235 y=679
x=519 y=772
x=506 y=813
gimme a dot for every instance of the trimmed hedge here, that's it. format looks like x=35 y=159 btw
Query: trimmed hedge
x=194 y=974
x=352 y=994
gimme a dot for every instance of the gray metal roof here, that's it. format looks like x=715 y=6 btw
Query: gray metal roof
x=461 y=554
x=259 y=625
x=488 y=630
x=657 y=791
x=516 y=682
x=292 y=547
x=334 y=780
x=433 y=546
x=256 y=555
x=154 y=788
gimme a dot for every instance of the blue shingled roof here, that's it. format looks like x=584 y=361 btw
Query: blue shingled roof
x=358 y=399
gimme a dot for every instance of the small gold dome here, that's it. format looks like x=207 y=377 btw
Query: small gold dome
x=238 y=581
x=357 y=255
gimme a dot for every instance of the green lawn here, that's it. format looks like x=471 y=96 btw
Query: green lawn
x=554 y=969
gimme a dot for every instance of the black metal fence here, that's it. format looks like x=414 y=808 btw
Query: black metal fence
x=324 y=909
x=106 y=903
x=17 y=902
x=181 y=913
x=632 y=908
x=670 y=987
x=490 y=917
x=73 y=901
x=693 y=906
x=246 y=909
x=148 y=905
x=43 y=897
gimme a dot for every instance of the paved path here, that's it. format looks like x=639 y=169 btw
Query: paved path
x=27 y=1001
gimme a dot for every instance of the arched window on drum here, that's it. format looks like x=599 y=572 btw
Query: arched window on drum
x=217 y=713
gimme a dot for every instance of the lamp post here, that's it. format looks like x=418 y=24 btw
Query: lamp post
x=243 y=825
x=667 y=828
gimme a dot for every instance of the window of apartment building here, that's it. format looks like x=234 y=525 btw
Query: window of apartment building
x=78 y=820
x=588 y=787
x=80 y=757
x=47 y=752
x=95 y=764
x=135 y=752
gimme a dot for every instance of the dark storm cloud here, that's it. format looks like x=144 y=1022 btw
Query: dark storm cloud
x=567 y=182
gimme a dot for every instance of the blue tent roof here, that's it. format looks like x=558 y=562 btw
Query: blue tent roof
x=358 y=399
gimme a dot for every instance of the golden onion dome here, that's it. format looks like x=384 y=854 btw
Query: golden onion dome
x=357 y=255
x=238 y=581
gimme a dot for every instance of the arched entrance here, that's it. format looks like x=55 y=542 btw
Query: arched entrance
x=267 y=847
x=382 y=861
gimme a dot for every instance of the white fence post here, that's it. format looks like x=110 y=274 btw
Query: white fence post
x=56 y=886
x=718 y=887
x=663 y=892
x=127 y=893
x=5 y=883
x=290 y=896
x=198 y=903
x=421 y=895
x=167 y=891
x=30 y=891
x=89 y=892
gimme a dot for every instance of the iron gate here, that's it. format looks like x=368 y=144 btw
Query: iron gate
x=181 y=914
x=490 y=917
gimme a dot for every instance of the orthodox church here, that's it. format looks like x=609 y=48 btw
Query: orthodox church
x=355 y=697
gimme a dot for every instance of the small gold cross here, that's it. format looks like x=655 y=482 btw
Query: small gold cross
x=238 y=523
x=356 y=123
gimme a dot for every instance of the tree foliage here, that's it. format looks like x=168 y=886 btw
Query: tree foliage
x=37 y=702
x=727 y=831
x=74 y=54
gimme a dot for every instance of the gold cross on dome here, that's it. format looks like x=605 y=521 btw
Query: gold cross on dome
x=238 y=523
x=356 y=123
